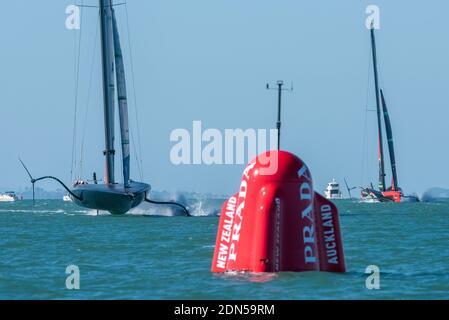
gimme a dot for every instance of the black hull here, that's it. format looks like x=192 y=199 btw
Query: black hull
x=113 y=198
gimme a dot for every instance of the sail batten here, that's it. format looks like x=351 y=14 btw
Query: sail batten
x=107 y=58
x=122 y=102
x=389 y=133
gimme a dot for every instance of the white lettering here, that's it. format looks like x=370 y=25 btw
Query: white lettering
x=72 y=282
x=373 y=20
x=373 y=280
x=308 y=234
x=73 y=21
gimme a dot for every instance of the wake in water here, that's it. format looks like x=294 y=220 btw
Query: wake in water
x=31 y=210
x=199 y=206
x=435 y=195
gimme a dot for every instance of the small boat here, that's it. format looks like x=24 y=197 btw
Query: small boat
x=8 y=196
x=67 y=198
x=393 y=193
x=332 y=191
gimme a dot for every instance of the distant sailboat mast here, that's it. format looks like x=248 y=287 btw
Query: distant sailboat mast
x=107 y=58
x=378 y=105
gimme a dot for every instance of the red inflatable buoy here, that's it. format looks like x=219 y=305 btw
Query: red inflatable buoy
x=276 y=222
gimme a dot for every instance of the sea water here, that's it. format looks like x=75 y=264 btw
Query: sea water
x=147 y=255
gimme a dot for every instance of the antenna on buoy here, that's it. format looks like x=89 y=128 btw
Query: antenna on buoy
x=279 y=88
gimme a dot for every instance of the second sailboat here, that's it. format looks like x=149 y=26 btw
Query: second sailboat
x=393 y=193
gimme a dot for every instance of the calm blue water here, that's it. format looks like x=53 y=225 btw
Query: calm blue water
x=151 y=257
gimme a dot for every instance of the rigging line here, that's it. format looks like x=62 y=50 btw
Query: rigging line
x=379 y=61
x=135 y=152
x=89 y=92
x=135 y=95
x=77 y=72
x=365 y=131
x=72 y=161
x=92 y=6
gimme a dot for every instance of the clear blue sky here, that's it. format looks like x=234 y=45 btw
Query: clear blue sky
x=209 y=60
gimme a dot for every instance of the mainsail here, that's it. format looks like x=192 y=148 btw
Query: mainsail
x=389 y=133
x=122 y=102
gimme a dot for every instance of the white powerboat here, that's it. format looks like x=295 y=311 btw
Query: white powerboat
x=8 y=196
x=332 y=191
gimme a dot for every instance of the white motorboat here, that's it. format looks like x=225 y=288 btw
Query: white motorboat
x=332 y=191
x=8 y=196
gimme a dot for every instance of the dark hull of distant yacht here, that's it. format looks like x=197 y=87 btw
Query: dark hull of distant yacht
x=114 y=198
